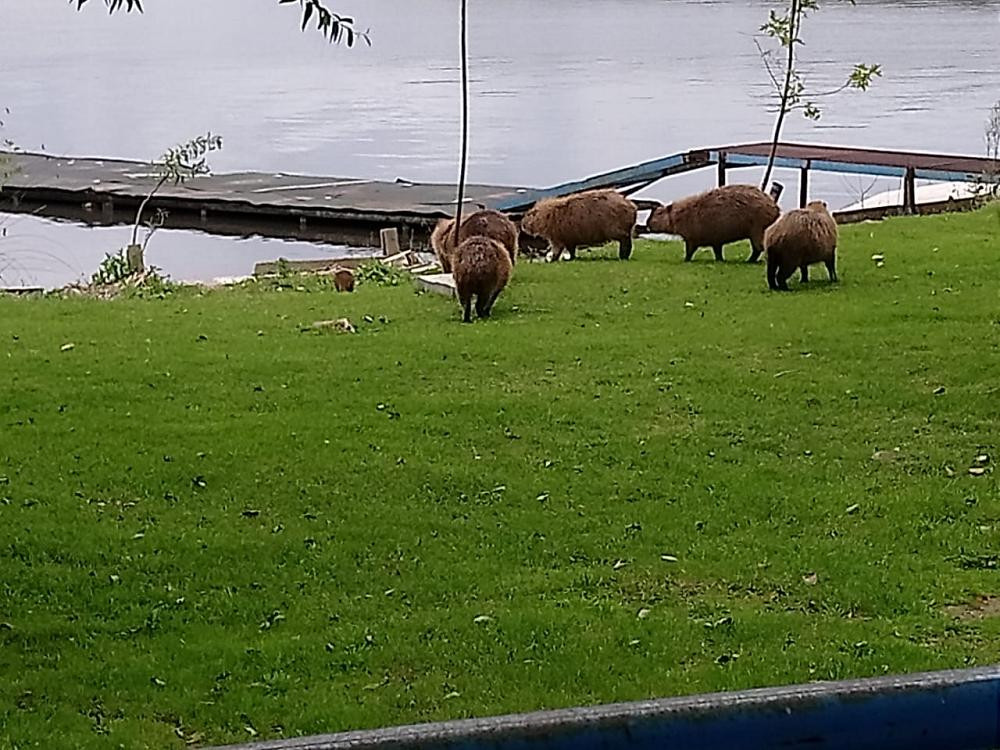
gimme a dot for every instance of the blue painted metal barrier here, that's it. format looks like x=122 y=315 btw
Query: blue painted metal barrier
x=950 y=710
x=649 y=172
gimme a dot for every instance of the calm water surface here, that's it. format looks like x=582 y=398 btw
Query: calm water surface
x=562 y=88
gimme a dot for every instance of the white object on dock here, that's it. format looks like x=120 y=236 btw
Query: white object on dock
x=441 y=283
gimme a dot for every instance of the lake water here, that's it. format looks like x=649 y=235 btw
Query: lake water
x=562 y=88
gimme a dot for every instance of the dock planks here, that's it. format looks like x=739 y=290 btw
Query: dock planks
x=351 y=211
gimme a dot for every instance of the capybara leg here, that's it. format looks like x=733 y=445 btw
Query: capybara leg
x=717 y=249
x=831 y=268
x=805 y=273
x=484 y=305
x=557 y=251
x=572 y=252
x=784 y=274
x=772 y=273
x=467 y=308
x=757 y=249
x=689 y=249
x=625 y=248
x=493 y=301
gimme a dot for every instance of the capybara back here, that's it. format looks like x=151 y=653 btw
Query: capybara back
x=481 y=268
x=796 y=240
x=585 y=219
x=343 y=280
x=485 y=223
x=717 y=217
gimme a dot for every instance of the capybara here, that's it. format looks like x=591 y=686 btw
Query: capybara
x=482 y=269
x=442 y=239
x=800 y=237
x=583 y=219
x=343 y=279
x=492 y=224
x=717 y=217
x=484 y=223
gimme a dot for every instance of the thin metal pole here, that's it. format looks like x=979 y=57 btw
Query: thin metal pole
x=465 y=118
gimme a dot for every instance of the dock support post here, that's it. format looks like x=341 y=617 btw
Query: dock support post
x=722 y=169
x=108 y=211
x=133 y=256
x=804 y=186
x=302 y=223
x=390 y=241
x=910 y=191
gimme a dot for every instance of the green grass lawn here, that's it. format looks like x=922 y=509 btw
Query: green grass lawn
x=637 y=480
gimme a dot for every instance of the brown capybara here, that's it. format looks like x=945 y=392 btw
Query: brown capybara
x=492 y=224
x=442 y=239
x=482 y=268
x=800 y=237
x=717 y=217
x=484 y=223
x=343 y=279
x=583 y=219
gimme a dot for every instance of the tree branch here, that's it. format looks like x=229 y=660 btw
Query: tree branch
x=332 y=25
x=765 y=56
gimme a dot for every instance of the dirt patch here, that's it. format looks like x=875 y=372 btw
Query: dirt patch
x=981 y=608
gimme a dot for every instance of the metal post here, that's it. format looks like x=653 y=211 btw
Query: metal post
x=722 y=169
x=910 y=191
x=804 y=186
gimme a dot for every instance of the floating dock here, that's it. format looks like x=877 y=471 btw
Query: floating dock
x=351 y=211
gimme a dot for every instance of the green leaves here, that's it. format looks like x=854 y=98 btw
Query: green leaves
x=790 y=89
x=862 y=75
x=333 y=26
x=114 y=5
x=187 y=160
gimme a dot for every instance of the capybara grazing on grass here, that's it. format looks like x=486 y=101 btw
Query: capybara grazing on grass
x=343 y=279
x=482 y=268
x=717 y=217
x=583 y=220
x=485 y=223
x=496 y=226
x=799 y=238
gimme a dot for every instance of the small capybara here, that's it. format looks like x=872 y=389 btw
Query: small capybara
x=800 y=237
x=717 y=217
x=583 y=219
x=485 y=223
x=482 y=268
x=343 y=279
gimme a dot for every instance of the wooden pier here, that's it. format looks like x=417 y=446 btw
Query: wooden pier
x=350 y=211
